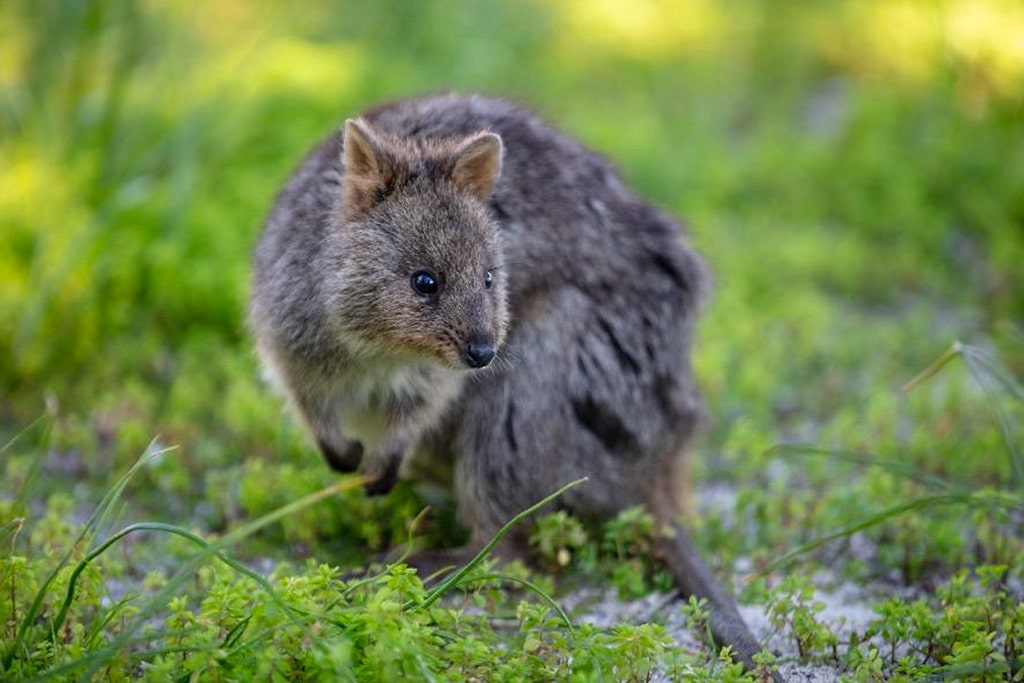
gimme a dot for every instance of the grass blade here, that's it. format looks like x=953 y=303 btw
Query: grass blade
x=165 y=528
x=455 y=577
x=213 y=548
x=865 y=523
x=952 y=352
x=924 y=502
x=532 y=587
x=983 y=369
x=893 y=466
x=97 y=518
x=21 y=499
x=11 y=529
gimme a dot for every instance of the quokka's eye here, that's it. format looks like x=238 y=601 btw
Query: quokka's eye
x=424 y=283
x=488 y=280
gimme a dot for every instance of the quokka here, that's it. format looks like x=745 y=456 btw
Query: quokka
x=451 y=278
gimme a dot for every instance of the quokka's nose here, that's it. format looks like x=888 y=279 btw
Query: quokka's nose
x=478 y=354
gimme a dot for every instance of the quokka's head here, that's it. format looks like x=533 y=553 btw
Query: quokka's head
x=420 y=256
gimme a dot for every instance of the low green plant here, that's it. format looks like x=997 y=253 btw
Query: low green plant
x=214 y=618
x=555 y=537
x=972 y=629
x=793 y=610
x=628 y=542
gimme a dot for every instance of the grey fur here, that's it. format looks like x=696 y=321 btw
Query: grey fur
x=595 y=296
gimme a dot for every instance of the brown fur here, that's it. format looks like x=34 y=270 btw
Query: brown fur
x=591 y=310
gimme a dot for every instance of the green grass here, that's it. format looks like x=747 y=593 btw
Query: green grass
x=853 y=171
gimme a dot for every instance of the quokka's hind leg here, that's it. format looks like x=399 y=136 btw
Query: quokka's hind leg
x=496 y=476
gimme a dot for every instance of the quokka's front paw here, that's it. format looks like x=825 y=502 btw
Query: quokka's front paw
x=382 y=475
x=345 y=459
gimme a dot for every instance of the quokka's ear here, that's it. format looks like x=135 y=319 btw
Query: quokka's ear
x=478 y=164
x=365 y=165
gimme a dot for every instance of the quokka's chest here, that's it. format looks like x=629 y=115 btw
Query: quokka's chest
x=376 y=401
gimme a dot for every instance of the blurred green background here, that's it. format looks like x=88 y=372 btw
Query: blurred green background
x=853 y=171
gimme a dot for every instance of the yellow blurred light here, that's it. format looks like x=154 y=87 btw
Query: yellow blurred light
x=989 y=36
x=914 y=42
x=315 y=69
x=646 y=29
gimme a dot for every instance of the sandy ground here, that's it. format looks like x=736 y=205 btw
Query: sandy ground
x=846 y=608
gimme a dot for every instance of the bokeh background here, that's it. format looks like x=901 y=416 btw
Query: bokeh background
x=853 y=171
